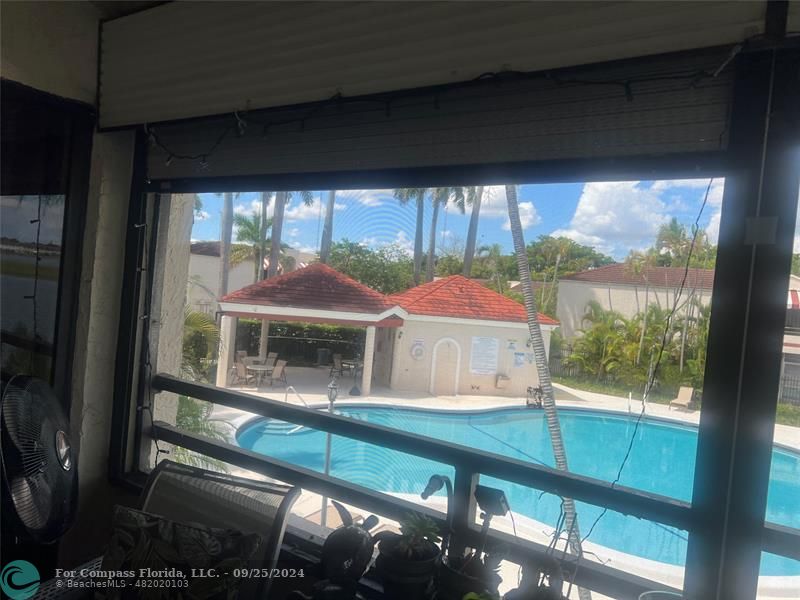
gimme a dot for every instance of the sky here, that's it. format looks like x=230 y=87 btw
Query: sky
x=612 y=217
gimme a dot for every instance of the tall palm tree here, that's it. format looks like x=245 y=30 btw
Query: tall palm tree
x=474 y=197
x=639 y=263
x=327 y=229
x=404 y=196
x=265 y=198
x=441 y=197
x=225 y=243
x=250 y=243
x=543 y=370
x=281 y=200
x=490 y=255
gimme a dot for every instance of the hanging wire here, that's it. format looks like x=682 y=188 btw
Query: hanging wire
x=659 y=355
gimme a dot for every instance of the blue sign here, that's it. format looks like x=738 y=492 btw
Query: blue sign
x=19 y=579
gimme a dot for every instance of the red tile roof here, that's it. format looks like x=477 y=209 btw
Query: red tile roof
x=457 y=296
x=668 y=277
x=318 y=287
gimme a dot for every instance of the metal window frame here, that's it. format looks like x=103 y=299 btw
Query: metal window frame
x=712 y=550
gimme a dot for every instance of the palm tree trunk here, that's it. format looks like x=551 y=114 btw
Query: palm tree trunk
x=262 y=237
x=418 y=237
x=472 y=232
x=277 y=230
x=225 y=244
x=644 y=323
x=543 y=371
x=327 y=229
x=429 y=268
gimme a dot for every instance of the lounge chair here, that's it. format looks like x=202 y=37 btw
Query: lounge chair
x=684 y=398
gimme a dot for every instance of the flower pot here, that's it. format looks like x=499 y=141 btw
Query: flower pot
x=406 y=578
x=453 y=585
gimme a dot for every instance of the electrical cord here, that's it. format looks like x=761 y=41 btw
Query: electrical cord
x=662 y=347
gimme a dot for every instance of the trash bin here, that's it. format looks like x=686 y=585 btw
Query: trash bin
x=323 y=356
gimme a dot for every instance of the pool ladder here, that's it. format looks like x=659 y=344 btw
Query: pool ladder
x=286 y=399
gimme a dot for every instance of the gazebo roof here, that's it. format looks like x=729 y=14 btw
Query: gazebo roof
x=459 y=297
x=316 y=293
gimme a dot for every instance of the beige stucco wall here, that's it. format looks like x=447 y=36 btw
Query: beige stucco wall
x=51 y=46
x=204 y=280
x=415 y=375
x=628 y=300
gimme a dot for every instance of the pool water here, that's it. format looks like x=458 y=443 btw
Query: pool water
x=662 y=462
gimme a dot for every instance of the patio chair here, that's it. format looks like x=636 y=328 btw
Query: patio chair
x=273 y=356
x=191 y=494
x=241 y=355
x=336 y=368
x=684 y=398
x=278 y=374
x=242 y=374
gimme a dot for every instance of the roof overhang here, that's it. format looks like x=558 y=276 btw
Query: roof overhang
x=391 y=317
x=411 y=318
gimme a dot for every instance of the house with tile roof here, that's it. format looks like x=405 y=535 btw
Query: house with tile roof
x=448 y=337
x=616 y=287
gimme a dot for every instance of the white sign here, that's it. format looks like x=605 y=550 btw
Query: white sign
x=483 y=360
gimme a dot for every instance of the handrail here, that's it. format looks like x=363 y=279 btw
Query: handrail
x=594 y=491
x=601 y=578
x=296 y=393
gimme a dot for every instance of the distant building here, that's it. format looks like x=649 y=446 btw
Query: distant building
x=616 y=287
x=204 y=272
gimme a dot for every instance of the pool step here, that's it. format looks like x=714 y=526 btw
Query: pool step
x=275 y=427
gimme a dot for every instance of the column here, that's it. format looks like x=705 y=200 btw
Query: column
x=227 y=349
x=263 y=340
x=369 y=358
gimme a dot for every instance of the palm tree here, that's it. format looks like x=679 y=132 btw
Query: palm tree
x=404 y=196
x=265 y=198
x=490 y=255
x=474 y=197
x=327 y=229
x=250 y=243
x=638 y=263
x=225 y=243
x=281 y=200
x=441 y=197
x=543 y=370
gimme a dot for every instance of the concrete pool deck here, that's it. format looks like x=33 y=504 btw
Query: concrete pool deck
x=309 y=386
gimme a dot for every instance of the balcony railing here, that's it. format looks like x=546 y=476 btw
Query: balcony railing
x=469 y=465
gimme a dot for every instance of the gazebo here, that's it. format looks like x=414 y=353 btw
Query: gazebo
x=314 y=294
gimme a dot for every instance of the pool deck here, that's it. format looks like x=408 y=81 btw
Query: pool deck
x=310 y=388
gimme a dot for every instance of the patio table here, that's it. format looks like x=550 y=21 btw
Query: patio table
x=260 y=371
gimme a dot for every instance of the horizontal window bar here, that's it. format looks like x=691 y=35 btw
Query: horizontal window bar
x=781 y=540
x=664 y=510
x=601 y=578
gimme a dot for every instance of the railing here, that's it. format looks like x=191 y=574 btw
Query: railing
x=468 y=463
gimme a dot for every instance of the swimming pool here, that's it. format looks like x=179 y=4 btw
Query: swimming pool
x=662 y=462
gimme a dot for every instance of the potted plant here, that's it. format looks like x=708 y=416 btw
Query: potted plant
x=472 y=573
x=406 y=562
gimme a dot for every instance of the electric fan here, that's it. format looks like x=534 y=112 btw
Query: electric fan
x=39 y=467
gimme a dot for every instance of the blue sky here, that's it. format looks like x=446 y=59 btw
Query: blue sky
x=612 y=217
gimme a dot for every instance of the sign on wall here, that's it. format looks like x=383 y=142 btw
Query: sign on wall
x=417 y=349
x=483 y=359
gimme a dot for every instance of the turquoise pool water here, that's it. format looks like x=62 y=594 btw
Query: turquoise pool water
x=662 y=462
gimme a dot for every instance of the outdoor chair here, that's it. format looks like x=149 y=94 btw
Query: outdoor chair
x=278 y=373
x=336 y=368
x=242 y=374
x=273 y=356
x=241 y=355
x=684 y=398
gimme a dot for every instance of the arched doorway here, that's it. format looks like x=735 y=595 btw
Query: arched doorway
x=445 y=367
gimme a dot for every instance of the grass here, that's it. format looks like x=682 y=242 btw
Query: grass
x=788 y=414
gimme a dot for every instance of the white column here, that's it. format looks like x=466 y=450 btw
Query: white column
x=263 y=340
x=369 y=358
x=227 y=347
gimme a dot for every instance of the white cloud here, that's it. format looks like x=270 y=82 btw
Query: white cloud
x=253 y=208
x=298 y=211
x=494 y=206
x=201 y=215
x=446 y=233
x=367 y=197
x=294 y=232
x=369 y=242
x=405 y=243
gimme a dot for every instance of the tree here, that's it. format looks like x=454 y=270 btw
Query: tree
x=639 y=263
x=440 y=198
x=250 y=243
x=474 y=197
x=225 y=243
x=327 y=229
x=281 y=200
x=404 y=196
x=265 y=224
x=543 y=370
x=387 y=270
